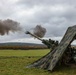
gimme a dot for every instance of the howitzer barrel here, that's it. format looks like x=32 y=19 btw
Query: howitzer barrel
x=49 y=43
x=27 y=32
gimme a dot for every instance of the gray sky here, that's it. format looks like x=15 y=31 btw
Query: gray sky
x=55 y=15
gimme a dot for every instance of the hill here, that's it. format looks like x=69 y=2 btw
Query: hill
x=16 y=45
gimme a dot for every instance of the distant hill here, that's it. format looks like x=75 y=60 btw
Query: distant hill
x=20 y=44
x=16 y=45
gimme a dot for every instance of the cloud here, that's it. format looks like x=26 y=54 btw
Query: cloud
x=44 y=2
x=54 y=15
x=7 y=8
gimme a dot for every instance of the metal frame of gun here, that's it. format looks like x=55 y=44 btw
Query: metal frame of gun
x=49 y=43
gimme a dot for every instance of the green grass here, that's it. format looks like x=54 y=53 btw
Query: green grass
x=24 y=52
x=17 y=65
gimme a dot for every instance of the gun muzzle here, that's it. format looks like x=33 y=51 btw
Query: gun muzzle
x=27 y=32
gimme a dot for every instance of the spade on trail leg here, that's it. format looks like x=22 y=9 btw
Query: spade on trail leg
x=50 y=60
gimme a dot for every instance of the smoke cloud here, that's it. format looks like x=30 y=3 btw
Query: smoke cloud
x=39 y=31
x=9 y=25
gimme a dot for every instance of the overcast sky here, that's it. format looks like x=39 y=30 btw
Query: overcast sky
x=55 y=15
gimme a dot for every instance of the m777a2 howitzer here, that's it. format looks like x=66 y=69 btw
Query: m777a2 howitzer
x=49 y=43
x=62 y=54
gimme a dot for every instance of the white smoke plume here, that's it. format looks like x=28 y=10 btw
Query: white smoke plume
x=9 y=25
x=39 y=31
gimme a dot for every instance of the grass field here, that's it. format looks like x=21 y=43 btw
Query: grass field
x=14 y=62
x=20 y=53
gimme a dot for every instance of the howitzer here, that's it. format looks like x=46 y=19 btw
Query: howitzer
x=49 y=43
x=63 y=54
